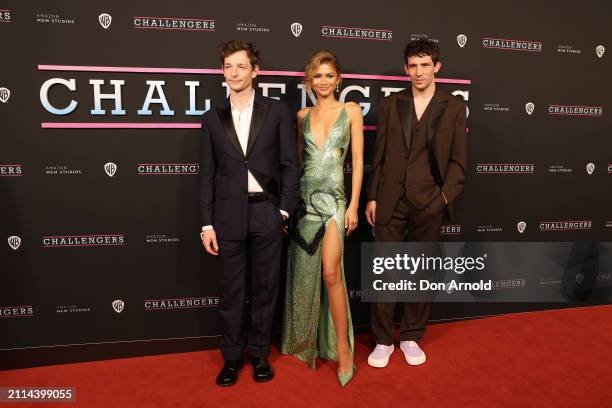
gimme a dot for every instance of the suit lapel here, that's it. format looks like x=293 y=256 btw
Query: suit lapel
x=225 y=116
x=438 y=106
x=260 y=108
x=404 y=107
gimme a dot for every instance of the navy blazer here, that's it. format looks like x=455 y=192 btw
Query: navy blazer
x=270 y=157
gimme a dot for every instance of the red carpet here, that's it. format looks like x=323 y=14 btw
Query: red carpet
x=559 y=358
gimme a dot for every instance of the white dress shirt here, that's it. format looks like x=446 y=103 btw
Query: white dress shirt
x=242 y=124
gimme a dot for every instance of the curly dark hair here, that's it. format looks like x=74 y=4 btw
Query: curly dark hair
x=232 y=46
x=421 y=48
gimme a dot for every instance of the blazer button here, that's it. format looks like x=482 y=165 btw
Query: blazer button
x=246 y=162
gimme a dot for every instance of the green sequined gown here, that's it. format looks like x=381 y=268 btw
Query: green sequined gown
x=306 y=313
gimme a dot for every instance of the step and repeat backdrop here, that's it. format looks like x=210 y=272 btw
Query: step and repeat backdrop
x=99 y=141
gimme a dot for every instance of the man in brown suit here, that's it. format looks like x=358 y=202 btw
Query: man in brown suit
x=417 y=173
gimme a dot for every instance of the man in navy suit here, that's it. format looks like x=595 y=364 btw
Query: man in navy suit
x=249 y=185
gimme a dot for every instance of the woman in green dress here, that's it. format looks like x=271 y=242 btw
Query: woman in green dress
x=313 y=311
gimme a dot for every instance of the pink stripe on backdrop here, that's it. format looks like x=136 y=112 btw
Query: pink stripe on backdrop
x=132 y=125
x=20 y=315
x=404 y=78
x=14 y=307
x=511 y=49
x=85 y=68
x=176 y=29
x=552 y=222
x=356 y=28
x=175 y=18
x=187 y=298
x=282 y=73
x=11 y=175
x=86 y=236
x=594 y=115
x=102 y=125
x=575 y=106
x=355 y=38
x=177 y=307
x=80 y=245
x=505 y=39
x=565 y=229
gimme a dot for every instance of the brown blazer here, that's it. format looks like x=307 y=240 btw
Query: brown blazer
x=448 y=141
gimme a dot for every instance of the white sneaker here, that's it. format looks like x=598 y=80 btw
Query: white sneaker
x=380 y=356
x=412 y=352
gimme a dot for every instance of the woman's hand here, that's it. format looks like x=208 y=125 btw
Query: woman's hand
x=350 y=219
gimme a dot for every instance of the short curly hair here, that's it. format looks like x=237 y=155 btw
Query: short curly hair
x=233 y=46
x=421 y=48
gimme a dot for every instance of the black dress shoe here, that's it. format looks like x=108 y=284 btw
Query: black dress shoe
x=229 y=373
x=262 y=371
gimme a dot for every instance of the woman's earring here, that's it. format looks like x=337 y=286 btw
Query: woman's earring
x=337 y=88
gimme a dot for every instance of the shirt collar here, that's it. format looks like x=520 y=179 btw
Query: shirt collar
x=248 y=106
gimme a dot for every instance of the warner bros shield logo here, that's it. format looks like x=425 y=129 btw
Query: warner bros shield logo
x=461 y=40
x=521 y=226
x=110 y=168
x=118 y=305
x=105 y=20
x=5 y=94
x=296 y=29
x=590 y=168
x=14 y=242
x=529 y=107
x=599 y=50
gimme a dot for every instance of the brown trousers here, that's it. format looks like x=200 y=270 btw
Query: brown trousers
x=407 y=223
